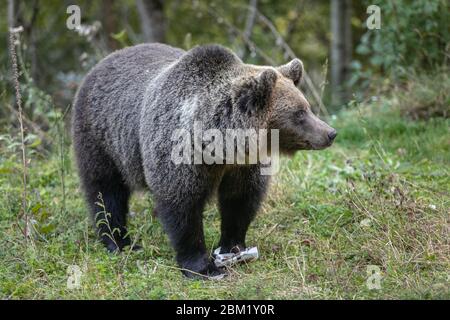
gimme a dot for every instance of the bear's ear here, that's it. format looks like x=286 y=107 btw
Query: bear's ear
x=292 y=70
x=253 y=93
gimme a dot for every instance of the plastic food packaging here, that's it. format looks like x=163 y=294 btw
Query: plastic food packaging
x=229 y=259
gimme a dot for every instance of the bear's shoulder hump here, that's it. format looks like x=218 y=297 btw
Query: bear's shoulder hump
x=211 y=56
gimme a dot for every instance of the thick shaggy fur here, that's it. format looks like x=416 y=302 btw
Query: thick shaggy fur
x=125 y=112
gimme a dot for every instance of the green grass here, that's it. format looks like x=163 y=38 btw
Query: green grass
x=380 y=196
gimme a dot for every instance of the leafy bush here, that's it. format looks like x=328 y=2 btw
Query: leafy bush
x=426 y=96
x=413 y=35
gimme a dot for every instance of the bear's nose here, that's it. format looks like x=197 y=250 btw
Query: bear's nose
x=332 y=135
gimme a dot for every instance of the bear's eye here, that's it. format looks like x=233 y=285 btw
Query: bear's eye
x=300 y=114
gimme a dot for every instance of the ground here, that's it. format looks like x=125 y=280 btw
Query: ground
x=376 y=201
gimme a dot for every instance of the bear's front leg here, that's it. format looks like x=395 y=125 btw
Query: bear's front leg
x=241 y=192
x=184 y=226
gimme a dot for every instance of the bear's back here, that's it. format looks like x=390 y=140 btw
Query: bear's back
x=108 y=102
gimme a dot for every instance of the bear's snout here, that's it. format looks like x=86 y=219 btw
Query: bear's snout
x=332 y=135
x=319 y=134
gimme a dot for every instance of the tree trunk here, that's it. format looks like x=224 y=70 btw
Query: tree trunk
x=109 y=24
x=153 y=24
x=11 y=15
x=341 y=50
x=249 y=24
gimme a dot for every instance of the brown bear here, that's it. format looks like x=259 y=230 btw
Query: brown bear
x=126 y=111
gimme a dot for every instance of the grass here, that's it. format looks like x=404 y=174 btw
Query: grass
x=379 y=197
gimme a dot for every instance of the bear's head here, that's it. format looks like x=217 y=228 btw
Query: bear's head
x=274 y=92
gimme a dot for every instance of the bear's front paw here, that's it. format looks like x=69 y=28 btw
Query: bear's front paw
x=201 y=268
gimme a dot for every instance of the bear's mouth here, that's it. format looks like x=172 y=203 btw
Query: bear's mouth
x=320 y=146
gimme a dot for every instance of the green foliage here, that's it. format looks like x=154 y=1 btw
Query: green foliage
x=427 y=96
x=414 y=35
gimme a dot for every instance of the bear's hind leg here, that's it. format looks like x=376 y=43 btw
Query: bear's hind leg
x=240 y=195
x=109 y=206
x=107 y=197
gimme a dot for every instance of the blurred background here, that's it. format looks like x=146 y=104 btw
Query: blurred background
x=345 y=60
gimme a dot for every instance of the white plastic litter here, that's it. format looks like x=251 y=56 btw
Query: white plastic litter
x=229 y=259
